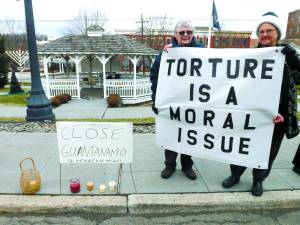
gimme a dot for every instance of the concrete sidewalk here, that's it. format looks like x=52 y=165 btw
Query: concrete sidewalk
x=83 y=108
x=140 y=186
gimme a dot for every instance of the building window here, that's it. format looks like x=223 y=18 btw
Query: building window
x=298 y=29
x=160 y=40
x=299 y=19
x=168 y=40
x=216 y=42
x=238 y=42
x=233 y=42
x=152 y=41
x=201 y=41
x=224 y=39
x=245 y=42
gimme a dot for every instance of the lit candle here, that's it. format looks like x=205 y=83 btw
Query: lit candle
x=74 y=185
x=102 y=188
x=112 y=186
x=33 y=183
x=90 y=186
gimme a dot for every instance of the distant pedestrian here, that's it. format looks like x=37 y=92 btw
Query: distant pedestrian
x=183 y=37
x=269 y=31
x=296 y=161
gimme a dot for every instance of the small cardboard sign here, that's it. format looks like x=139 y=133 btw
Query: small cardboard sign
x=94 y=142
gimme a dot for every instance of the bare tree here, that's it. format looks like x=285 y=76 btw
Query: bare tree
x=14 y=33
x=157 y=26
x=11 y=26
x=85 y=18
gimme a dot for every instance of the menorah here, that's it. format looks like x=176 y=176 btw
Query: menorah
x=20 y=57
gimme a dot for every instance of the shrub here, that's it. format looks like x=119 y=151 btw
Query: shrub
x=114 y=100
x=62 y=98
x=3 y=80
x=68 y=97
x=3 y=63
x=55 y=102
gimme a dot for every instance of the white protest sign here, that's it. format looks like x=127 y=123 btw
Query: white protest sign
x=94 y=142
x=218 y=104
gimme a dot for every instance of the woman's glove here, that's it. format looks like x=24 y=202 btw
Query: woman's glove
x=291 y=56
x=288 y=50
x=278 y=119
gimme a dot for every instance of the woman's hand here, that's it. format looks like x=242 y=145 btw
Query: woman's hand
x=165 y=49
x=278 y=119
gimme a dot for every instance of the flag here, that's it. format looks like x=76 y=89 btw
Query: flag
x=215 y=19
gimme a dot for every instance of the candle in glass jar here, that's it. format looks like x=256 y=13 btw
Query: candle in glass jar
x=33 y=183
x=102 y=188
x=112 y=186
x=90 y=186
x=74 y=185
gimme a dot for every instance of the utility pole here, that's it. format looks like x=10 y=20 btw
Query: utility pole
x=142 y=39
x=142 y=28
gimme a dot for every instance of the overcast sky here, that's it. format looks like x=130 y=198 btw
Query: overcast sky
x=51 y=15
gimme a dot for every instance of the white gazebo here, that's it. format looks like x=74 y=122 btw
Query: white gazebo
x=95 y=56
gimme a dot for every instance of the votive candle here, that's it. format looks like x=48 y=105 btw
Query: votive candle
x=90 y=186
x=102 y=188
x=112 y=186
x=74 y=185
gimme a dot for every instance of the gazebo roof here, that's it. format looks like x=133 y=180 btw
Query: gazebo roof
x=96 y=45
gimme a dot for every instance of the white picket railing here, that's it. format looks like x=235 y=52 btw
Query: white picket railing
x=61 y=86
x=125 y=89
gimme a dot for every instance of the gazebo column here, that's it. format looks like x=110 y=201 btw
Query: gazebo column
x=134 y=61
x=61 y=68
x=103 y=60
x=45 y=62
x=77 y=61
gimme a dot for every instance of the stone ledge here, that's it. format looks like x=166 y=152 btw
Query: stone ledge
x=212 y=202
x=62 y=204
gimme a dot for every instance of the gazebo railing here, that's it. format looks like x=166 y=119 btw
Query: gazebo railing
x=61 y=86
x=125 y=88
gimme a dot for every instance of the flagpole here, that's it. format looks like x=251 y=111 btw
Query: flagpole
x=209 y=27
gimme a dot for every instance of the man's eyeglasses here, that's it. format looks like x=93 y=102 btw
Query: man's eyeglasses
x=188 y=32
x=268 y=32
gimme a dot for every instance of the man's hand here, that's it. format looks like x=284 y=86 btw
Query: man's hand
x=278 y=119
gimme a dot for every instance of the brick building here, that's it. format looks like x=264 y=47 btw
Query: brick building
x=219 y=39
x=293 y=26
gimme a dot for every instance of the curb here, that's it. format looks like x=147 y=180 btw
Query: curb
x=150 y=203
x=212 y=202
x=62 y=204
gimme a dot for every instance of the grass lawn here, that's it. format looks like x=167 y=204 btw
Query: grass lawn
x=6 y=89
x=15 y=99
x=148 y=121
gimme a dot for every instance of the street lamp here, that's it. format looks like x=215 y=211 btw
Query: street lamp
x=38 y=106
